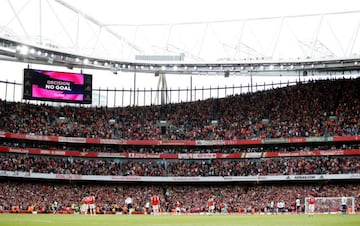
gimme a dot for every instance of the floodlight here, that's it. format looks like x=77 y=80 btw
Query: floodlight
x=24 y=50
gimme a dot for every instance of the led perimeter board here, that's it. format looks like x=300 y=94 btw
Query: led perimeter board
x=57 y=86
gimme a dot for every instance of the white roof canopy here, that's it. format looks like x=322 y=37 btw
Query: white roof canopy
x=198 y=30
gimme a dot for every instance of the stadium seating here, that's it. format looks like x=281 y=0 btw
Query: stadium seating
x=318 y=110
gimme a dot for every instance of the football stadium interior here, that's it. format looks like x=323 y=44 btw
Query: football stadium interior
x=250 y=120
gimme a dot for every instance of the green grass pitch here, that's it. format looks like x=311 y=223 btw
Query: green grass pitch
x=188 y=220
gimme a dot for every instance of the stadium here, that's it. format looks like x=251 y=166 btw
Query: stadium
x=252 y=120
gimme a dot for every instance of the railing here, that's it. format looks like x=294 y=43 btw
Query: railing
x=12 y=91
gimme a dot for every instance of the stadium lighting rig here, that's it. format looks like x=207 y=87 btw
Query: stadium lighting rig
x=11 y=50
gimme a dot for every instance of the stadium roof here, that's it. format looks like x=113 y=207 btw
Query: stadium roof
x=202 y=32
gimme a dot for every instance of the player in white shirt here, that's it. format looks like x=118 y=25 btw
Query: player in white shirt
x=281 y=206
x=343 y=205
x=298 y=205
x=55 y=206
x=272 y=207
x=128 y=203
x=147 y=208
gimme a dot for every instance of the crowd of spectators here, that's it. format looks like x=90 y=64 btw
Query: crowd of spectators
x=80 y=166
x=242 y=198
x=318 y=108
x=271 y=166
x=193 y=198
x=43 y=195
x=171 y=167
x=304 y=147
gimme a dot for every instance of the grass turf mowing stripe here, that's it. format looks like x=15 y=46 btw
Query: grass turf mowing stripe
x=183 y=220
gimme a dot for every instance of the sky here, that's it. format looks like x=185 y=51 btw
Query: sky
x=157 y=26
x=119 y=14
x=171 y=11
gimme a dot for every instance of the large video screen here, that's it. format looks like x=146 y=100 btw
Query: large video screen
x=57 y=86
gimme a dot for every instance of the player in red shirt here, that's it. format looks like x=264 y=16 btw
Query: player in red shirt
x=178 y=208
x=89 y=204
x=211 y=206
x=86 y=203
x=311 y=206
x=155 y=202
x=92 y=204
